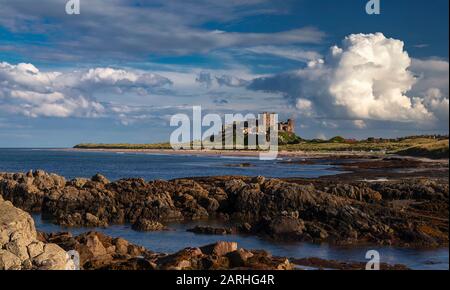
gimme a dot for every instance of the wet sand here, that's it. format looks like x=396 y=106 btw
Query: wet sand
x=246 y=153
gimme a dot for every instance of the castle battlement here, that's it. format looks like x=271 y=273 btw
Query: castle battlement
x=287 y=126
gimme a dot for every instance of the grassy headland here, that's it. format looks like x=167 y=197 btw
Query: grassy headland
x=418 y=146
x=435 y=147
x=435 y=150
x=124 y=146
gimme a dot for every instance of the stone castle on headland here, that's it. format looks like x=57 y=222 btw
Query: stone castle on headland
x=287 y=126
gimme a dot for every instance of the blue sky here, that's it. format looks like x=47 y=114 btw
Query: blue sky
x=118 y=71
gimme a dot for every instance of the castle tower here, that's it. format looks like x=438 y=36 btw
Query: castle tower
x=291 y=126
x=267 y=118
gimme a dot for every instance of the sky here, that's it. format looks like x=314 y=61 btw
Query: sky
x=118 y=71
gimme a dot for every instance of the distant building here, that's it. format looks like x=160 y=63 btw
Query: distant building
x=287 y=126
x=267 y=118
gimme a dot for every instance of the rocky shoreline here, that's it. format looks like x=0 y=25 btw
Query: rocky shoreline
x=20 y=246
x=23 y=248
x=408 y=208
x=100 y=252
x=410 y=212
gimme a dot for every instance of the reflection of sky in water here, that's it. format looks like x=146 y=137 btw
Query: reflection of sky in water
x=177 y=238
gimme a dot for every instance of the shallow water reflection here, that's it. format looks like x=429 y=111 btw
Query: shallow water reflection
x=178 y=238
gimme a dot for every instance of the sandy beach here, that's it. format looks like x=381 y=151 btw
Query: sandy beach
x=235 y=153
x=281 y=154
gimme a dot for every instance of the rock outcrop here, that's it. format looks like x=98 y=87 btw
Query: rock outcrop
x=19 y=246
x=98 y=251
x=410 y=212
x=207 y=230
x=317 y=263
x=384 y=202
x=145 y=225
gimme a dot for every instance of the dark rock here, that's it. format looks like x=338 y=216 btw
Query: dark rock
x=239 y=258
x=187 y=259
x=145 y=225
x=284 y=227
x=133 y=264
x=319 y=210
x=259 y=180
x=220 y=248
x=98 y=251
x=100 y=178
x=318 y=263
x=211 y=230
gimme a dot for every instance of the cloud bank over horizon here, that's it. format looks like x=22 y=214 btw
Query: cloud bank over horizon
x=368 y=78
x=28 y=91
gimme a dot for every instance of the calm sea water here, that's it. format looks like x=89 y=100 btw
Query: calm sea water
x=116 y=166
x=178 y=238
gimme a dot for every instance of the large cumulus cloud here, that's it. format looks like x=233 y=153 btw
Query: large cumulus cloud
x=26 y=90
x=367 y=77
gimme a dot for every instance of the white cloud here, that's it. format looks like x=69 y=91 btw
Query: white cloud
x=360 y=124
x=208 y=79
x=288 y=53
x=123 y=78
x=368 y=77
x=430 y=73
x=28 y=91
x=164 y=27
x=438 y=103
x=305 y=107
x=329 y=124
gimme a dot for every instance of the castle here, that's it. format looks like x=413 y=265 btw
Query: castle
x=287 y=127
